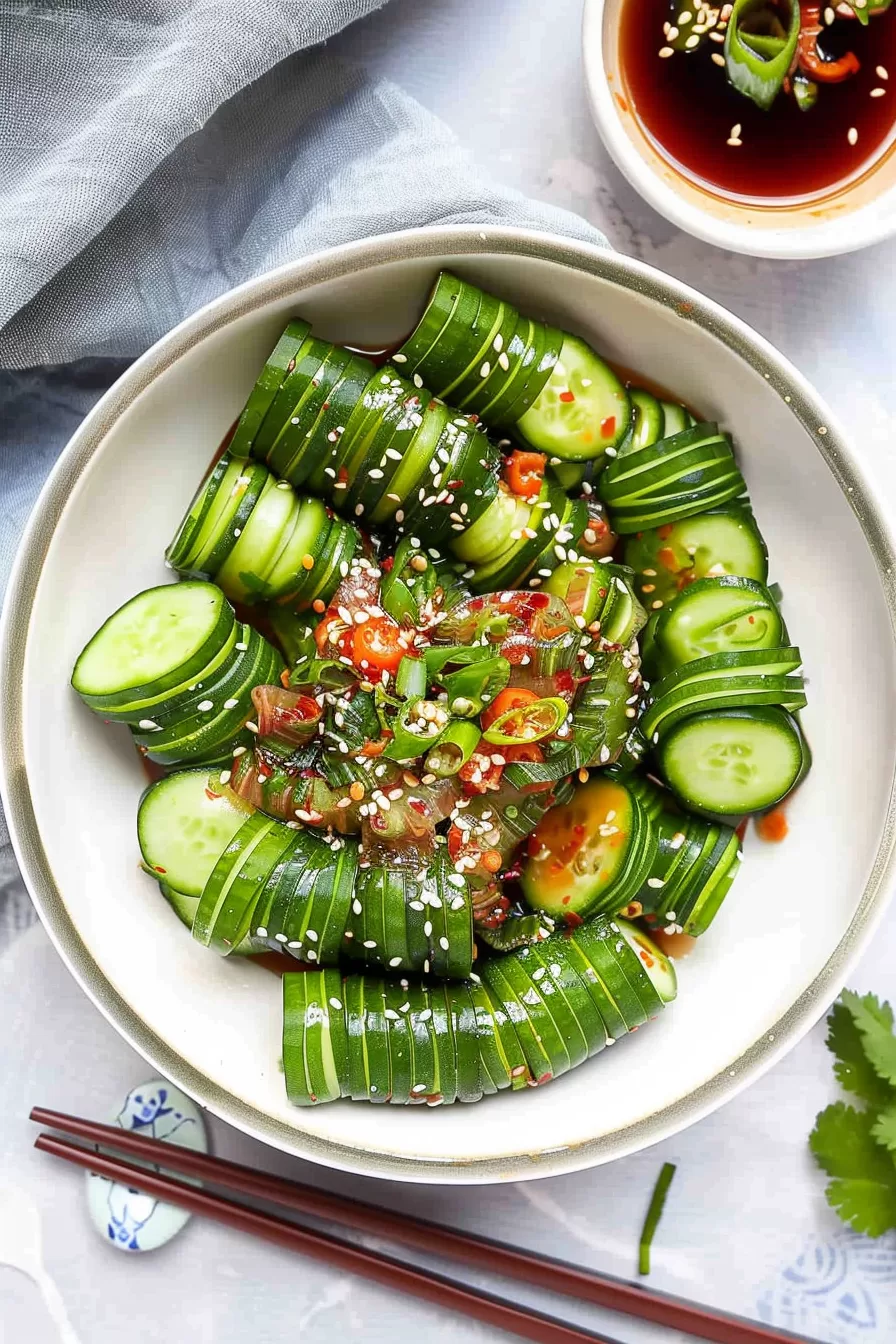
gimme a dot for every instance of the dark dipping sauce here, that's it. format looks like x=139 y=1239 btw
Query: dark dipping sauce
x=688 y=109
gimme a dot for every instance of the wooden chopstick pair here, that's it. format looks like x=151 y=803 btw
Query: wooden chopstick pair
x=478 y=1252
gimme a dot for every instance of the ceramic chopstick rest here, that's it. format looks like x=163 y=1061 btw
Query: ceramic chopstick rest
x=123 y=1216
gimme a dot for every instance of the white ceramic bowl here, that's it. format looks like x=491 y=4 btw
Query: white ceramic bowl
x=797 y=915
x=854 y=216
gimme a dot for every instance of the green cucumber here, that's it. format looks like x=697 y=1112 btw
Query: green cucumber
x=582 y=410
x=707 y=545
x=155 y=642
x=268 y=383
x=183 y=827
x=729 y=762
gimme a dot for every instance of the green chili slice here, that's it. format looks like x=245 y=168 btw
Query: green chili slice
x=527 y=723
x=453 y=749
x=471 y=688
x=760 y=47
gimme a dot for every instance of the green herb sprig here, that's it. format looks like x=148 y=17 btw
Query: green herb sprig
x=857 y=1147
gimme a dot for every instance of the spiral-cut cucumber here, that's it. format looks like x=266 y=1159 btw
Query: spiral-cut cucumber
x=291 y=890
x=175 y=665
x=531 y=1016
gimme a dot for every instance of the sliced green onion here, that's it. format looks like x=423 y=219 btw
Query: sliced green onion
x=527 y=723
x=654 y=1214
x=453 y=749
x=410 y=679
x=759 y=51
x=409 y=741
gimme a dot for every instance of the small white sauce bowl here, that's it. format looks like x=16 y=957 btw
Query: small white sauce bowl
x=851 y=216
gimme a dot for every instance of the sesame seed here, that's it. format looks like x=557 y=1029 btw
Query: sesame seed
x=693 y=41
x=882 y=72
x=878 y=93
x=485 y=370
x=718 y=59
x=666 y=52
x=205 y=705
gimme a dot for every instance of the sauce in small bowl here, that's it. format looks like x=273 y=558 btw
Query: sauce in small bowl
x=728 y=145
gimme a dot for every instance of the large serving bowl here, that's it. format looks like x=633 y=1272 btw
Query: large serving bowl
x=799 y=913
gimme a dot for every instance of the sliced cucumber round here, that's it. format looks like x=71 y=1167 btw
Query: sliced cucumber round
x=582 y=410
x=155 y=642
x=708 y=545
x=184 y=824
x=733 y=762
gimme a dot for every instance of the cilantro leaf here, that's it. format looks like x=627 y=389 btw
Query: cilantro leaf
x=864 y=1189
x=884 y=1128
x=852 y=1069
x=874 y=1023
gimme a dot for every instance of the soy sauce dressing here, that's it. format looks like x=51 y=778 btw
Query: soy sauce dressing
x=688 y=109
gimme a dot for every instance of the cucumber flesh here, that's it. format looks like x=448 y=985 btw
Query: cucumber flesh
x=183 y=827
x=578 y=851
x=582 y=410
x=708 y=545
x=726 y=615
x=657 y=965
x=148 y=641
x=731 y=762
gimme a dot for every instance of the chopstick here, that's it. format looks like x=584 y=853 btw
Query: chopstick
x=472 y=1303
x=478 y=1252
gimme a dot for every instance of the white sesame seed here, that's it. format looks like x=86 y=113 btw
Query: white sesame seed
x=852 y=135
x=666 y=52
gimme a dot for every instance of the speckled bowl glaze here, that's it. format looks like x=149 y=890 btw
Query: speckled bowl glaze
x=853 y=215
x=798 y=914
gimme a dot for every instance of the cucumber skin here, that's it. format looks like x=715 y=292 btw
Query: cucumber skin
x=505 y=1056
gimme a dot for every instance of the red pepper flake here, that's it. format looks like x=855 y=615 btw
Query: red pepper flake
x=387 y=564
x=664 y=531
x=573 y=920
x=157 y=869
x=567 y=396
x=608 y=426
x=211 y=795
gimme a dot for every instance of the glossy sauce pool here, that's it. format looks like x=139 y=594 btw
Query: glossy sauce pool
x=687 y=108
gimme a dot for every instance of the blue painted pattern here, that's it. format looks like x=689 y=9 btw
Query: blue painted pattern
x=839 y=1289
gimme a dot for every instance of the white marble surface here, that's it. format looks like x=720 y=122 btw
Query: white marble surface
x=746 y=1225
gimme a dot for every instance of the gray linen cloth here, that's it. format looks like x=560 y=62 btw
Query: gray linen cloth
x=154 y=154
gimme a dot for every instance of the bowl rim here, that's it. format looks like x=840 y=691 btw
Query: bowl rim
x=454 y=241
x=802 y=243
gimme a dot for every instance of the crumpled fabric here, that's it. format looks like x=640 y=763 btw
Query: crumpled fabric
x=154 y=154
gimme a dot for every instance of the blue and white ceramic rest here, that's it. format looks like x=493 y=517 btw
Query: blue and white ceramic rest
x=126 y=1218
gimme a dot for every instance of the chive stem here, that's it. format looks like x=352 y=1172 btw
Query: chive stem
x=654 y=1214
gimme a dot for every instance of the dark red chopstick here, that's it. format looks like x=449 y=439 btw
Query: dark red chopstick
x=341 y=1255
x=583 y=1285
